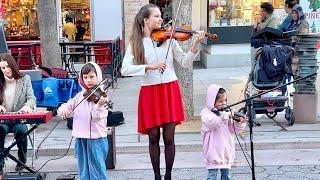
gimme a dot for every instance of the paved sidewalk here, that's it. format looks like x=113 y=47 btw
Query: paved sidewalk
x=124 y=96
x=270 y=164
x=296 y=146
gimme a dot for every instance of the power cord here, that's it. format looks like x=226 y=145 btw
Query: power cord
x=54 y=127
x=245 y=153
x=57 y=157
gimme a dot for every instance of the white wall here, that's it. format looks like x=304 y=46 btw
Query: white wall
x=107 y=19
x=196 y=9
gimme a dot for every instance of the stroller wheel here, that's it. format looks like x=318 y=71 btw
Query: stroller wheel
x=288 y=113
x=290 y=119
x=271 y=115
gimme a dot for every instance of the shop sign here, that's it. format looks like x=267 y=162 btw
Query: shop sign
x=312 y=13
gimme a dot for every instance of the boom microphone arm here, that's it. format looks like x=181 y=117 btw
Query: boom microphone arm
x=264 y=92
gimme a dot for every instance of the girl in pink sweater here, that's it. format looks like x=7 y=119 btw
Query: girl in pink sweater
x=217 y=132
x=89 y=126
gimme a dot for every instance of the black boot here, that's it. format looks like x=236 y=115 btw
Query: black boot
x=157 y=177
x=167 y=177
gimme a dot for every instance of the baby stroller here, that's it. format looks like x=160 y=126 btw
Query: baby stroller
x=271 y=65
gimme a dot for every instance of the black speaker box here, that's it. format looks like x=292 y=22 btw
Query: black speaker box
x=27 y=176
x=115 y=118
x=111 y=157
x=68 y=177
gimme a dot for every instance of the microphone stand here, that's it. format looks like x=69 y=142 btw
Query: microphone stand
x=249 y=103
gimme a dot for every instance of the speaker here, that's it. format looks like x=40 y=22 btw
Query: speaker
x=25 y=176
x=111 y=157
x=68 y=177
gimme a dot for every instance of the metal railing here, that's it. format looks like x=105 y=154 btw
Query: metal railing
x=107 y=54
x=25 y=54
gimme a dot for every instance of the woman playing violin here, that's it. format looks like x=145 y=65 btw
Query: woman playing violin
x=160 y=103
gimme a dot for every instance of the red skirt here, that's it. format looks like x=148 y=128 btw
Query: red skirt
x=159 y=104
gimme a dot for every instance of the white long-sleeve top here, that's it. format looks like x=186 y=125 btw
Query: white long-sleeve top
x=154 y=54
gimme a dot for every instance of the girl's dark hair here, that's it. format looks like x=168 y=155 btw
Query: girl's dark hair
x=15 y=72
x=87 y=68
x=221 y=91
x=267 y=7
x=136 y=38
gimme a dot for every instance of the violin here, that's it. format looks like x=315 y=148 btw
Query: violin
x=180 y=34
x=96 y=95
x=236 y=115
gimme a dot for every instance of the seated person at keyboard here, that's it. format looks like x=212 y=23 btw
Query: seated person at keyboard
x=16 y=95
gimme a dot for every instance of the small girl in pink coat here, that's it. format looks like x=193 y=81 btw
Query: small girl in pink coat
x=217 y=132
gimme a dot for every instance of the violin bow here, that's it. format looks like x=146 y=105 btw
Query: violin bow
x=167 y=24
x=172 y=30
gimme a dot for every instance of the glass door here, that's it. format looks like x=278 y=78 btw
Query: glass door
x=75 y=13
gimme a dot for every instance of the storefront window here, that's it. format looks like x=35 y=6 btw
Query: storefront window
x=20 y=19
x=79 y=13
x=239 y=12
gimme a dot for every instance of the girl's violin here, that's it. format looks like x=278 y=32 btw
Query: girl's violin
x=180 y=34
x=96 y=94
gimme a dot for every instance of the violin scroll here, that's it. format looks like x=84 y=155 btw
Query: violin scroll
x=212 y=37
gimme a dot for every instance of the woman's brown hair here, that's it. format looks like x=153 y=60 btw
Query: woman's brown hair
x=15 y=72
x=136 y=38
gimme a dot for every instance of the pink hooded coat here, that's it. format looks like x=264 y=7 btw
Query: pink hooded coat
x=89 y=119
x=218 y=134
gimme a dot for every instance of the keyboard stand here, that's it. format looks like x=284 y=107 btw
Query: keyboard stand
x=32 y=141
x=5 y=152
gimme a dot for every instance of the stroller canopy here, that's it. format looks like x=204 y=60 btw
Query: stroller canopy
x=271 y=66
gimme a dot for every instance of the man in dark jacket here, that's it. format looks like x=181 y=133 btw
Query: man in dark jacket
x=80 y=31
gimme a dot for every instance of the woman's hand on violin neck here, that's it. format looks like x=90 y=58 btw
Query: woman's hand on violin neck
x=160 y=66
x=201 y=35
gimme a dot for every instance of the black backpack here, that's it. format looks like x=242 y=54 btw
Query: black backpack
x=115 y=118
